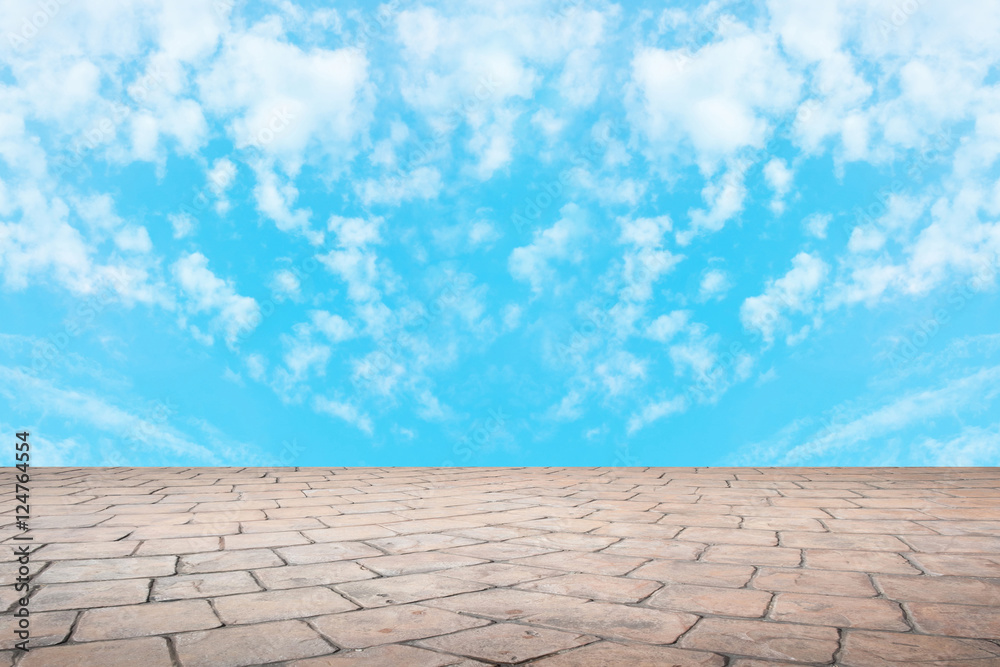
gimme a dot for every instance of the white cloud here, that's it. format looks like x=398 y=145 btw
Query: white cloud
x=235 y=315
x=654 y=411
x=286 y=285
x=276 y=200
x=816 y=224
x=334 y=327
x=182 y=223
x=346 y=411
x=133 y=239
x=793 y=293
x=532 y=263
x=645 y=259
x=354 y=260
x=665 y=327
x=779 y=178
x=714 y=285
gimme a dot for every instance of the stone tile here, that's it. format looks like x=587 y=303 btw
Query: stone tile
x=788 y=523
x=687 y=572
x=892 y=649
x=711 y=600
x=391 y=566
x=87 y=550
x=506 y=642
x=705 y=520
x=164 y=532
x=69 y=535
x=762 y=538
x=952 y=544
x=222 y=561
x=656 y=531
x=317 y=574
x=388 y=625
x=504 y=603
x=391 y=655
x=102 y=569
x=148 y=652
x=887 y=527
x=858 y=542
x=595 y=586
x=406 y=588
x=243 y=645
x=325 y=552
x=818 y=582
x=760 y=639
x=582 y=561
x=47 y=628
x=960 y=565
x=612 y=621
x=500 y=550
x=280 y=605
x=858 y=561
x=654 y=548
x=570 y=541
x=351 y=533
x=143 y=620
x=955 y=620
x=497 y=574
x=495 y=533
x=562 y=525
x=838 y=611
x=611 y=654
x=209 y=585
x=84 y=595
x=940 y=589
x=750 y=555
x=263 y=540
x=183 y=545
x=281 y=525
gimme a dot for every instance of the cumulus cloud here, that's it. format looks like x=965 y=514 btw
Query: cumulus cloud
x=234 y=315
x=793 y=292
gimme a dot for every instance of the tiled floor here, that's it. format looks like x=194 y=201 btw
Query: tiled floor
x=573 y=567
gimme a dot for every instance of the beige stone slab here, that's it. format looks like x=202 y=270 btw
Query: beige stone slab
x=148 y=652
x=317 y=574
x=84 y=595
x=404 y=589
x=209 y=585
x=280 y=605
x=102 y=569
x=249 y=644
x=388 y=625
x=143 y=620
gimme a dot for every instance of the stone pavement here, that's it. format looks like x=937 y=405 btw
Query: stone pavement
x=567 y=567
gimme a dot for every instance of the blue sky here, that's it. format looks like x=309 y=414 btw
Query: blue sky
x=571 y=233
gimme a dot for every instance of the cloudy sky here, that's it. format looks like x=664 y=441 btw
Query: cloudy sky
x=517 y=233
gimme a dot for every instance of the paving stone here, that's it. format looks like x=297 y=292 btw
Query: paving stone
x=391 y=655
x=406 y=588
x=687 y=572
x=651 y=626
x=751 y=555
x=838 y=611
x=858 y=561
x=763 y=538
x=506 y=642
x=142 y=620
x=595 y=586
x=583 y=561
x=221 y=561
x=497 y=574
x=956 y=620
x=182 y=545
x=84 y=595
x=893 y=649
x=960 y=565
x=414 y=563
x=711 y=600
x=655 y=548
x=388 y=625
x=819 y=582
x=87 y=550
x=185 y=586
x=951 y=544
x=102 y=569
x=325 y=552
x=280 y=605
x=611 y=654
x=317 y=574
x=243 y=645
x=860 y=542
x=264 y=540
x=148 y=652
x=760 y=639
x=354 y=533
x=504 y=603
x=940 y=589
x=164 y=532
x=571 y=541
x=47 y=628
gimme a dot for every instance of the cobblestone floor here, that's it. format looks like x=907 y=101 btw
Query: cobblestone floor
x=571 y=567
